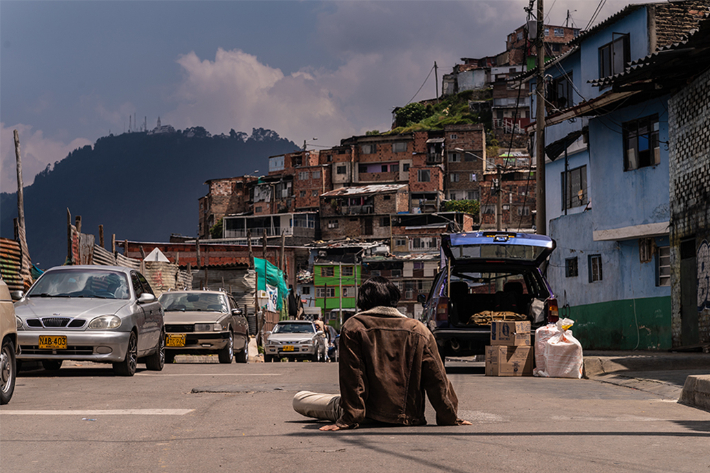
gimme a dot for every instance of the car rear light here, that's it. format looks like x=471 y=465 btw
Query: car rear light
x=442 y=309
x=553 y=313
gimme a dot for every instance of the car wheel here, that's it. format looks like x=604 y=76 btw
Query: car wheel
x=268 y=358
x=8 y=371
x=169 y=356
x=156 y=361
x=51 y=365
x=127 y=367
x=243 y=356
x=226 y=354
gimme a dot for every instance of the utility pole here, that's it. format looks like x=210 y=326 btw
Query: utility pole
x=22 y=232
x=436 y=80
x=541 y=211
x=499 y=203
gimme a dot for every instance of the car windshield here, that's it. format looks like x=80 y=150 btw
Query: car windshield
x=194 y=302
x=92 y=283
x=294 y=328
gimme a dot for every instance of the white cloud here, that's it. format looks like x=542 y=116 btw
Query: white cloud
x=36 y=151
x=236 y=91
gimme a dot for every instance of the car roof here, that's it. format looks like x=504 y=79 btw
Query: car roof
x=294 y=322
x=93 y=267
x=196 y=291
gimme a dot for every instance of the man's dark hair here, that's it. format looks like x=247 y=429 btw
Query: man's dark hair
x=377 y=291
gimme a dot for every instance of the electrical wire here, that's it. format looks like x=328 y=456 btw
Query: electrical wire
x=420 y=88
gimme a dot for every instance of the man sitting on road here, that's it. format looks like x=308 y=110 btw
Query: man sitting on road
x=387 y=364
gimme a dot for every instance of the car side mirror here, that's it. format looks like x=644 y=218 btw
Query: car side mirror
x=421 y=298
x=267 y=334
x=17 y=295
x=320 y=333
x=237 y=312
x=146 y=297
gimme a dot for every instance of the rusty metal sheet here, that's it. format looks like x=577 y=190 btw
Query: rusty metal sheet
x=10 y=264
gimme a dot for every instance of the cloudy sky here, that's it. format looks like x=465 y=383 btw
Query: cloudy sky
x=73 y=71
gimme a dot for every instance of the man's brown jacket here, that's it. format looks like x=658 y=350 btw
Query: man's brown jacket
x=387 y=363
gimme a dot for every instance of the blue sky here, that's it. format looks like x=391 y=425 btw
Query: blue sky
x=71 y=71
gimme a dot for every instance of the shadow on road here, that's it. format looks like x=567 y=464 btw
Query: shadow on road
x=71 y=372
x=465 y=370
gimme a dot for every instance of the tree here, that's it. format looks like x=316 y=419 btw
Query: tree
x=466 y=206
x=216 y=229
x=412 y=113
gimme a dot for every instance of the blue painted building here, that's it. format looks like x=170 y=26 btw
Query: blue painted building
x=607 y=181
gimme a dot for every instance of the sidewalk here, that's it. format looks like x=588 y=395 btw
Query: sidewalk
x=684 y=377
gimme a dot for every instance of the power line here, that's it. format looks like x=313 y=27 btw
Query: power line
x=420 y=88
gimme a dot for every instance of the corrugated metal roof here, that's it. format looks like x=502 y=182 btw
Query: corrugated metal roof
x=364 y=190
x=10 y=257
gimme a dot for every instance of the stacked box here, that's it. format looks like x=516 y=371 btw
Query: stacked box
x=510 y=334
x=509 y=361
x=510 y=353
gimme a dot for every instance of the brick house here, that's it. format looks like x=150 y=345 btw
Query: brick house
x=362 y=211
x=465 y=147
x=224 y=197
x=518 y=187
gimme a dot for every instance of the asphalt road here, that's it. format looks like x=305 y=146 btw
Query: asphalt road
x=211 y=417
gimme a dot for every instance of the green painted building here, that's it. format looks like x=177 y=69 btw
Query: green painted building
x=328 y=279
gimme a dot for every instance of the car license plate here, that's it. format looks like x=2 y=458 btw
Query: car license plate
x=49 y=342
x=175 y=340
x=288 y=348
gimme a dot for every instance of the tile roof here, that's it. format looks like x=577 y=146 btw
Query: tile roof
x=364 y=190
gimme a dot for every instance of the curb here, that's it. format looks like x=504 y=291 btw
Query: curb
x=696 y=392
x=597 y=365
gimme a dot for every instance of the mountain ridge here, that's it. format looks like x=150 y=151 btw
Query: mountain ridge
x=140 y=186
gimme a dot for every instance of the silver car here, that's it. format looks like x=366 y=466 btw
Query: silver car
x=204 y=322
x=103 y=314
x=295 y=339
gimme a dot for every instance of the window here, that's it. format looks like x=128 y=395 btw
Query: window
x=368 y=148
x=362 y=168
x=348 y=291
x=468 y=157
x=424 y=175
x=559 y=32
x=421 y=243
x=303 y=175
x=547 y=31
x=452 y=195
x=348 y=270
x=641 y=147
x=574 y=188
x=325 y=292
x=314 y=193
x=560 y=92
x=472 y=177
x=341 y=170
x=571 y=268
x=473 y=195
x=386 y=197
x=523 y=211
x=327 y=271
x=614 y=56
x=663 y=266
x=405 y=167
x=384 y=221
x=595 y=268
x=257 y=209
x=454 y=157
x=520 y=35
x=399 y=147
x=453 y=136
x=316 y=174
x=555 y=47
x=384 y=168
x=375 y=272
x=418 y=265
x=488 y=209
x=302 y=193
x=332 y=224
x=329 y=158
x=522 y=190
x=646 y=250
x=305 y=290
x=396 y=273
x=394 y=167
x=400 y=242
x=454 y=177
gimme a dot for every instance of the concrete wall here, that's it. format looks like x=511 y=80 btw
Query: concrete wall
x=623 y=311
x=627 y=198
x=689 y=144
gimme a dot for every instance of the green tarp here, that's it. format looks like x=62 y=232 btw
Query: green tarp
x=269 y=274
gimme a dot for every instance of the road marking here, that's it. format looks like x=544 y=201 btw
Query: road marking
x=208 y=374
x=99 y=412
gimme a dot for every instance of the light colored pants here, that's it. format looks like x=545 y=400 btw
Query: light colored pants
x=320 y=406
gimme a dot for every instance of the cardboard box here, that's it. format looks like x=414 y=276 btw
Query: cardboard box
x=512 y=334
x=509 y=361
